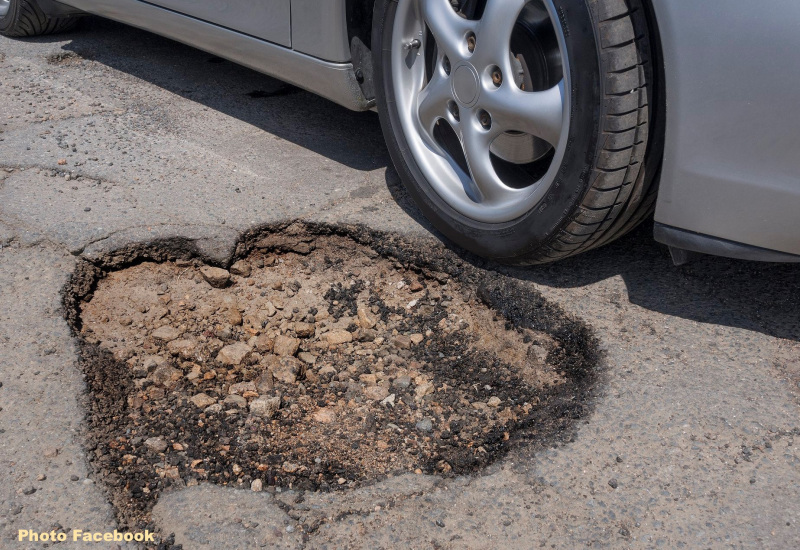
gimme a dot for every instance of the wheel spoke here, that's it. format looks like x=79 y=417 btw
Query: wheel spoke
x=538 y=113
x=447 y=27
x=495 y=28
x=476 y=142
x=432 y=103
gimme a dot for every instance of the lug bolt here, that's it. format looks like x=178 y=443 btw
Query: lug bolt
x=485 y=119
x=454 y=110
x=471 y=43
x=446 y=65
x=497 y=77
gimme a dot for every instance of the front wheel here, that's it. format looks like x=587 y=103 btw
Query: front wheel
x=520 y=127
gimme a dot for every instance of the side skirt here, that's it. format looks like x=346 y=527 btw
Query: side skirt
x=684 y=245
x=334 y=81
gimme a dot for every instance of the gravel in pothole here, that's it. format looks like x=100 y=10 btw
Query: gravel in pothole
x=310 y=371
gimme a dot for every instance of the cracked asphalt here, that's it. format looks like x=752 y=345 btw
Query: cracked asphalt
x=111 y=136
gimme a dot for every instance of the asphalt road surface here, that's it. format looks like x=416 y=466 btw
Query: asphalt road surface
x=111 y=136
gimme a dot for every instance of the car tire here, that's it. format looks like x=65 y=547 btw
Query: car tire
x=21 y=18
x=556 y=190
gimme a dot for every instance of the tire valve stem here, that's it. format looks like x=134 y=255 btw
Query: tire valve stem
x=414 y=44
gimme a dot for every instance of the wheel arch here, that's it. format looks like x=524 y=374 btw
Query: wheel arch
x=659 y=73
x=358 y=15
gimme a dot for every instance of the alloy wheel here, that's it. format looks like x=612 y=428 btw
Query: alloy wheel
x=483 y=102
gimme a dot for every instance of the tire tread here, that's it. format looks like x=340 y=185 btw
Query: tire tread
x=26 y=18
x=619 y=196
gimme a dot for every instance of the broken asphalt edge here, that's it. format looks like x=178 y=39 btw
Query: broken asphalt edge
x=578 y=354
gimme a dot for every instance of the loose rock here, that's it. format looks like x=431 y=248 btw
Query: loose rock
x=365 y=319
x=166 y=375
x=183 y=348
x=376 y=393
x=202 y=400
x=234 y=354
x=286 y=345
x=234 y=317
x=307 y=358
x=424 y=425
x=241 y=268
x=325 y=415
x=264 y=343
x=166 y=333
x=337 y=337
x=288 y=370
x=304 y=330
x=265 y=407
x=401 y=342
x=241 y=388
x=265 y=383
x=215 y=276
x=156 y=444
x=235 y=401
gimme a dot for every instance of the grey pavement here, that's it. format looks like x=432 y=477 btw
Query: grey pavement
x=111 y=136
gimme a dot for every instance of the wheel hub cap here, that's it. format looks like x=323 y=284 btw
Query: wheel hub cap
x=466 y=88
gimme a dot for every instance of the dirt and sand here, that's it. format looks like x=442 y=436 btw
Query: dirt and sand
x=318 y=368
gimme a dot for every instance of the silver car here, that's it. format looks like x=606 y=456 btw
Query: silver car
x=532 y=130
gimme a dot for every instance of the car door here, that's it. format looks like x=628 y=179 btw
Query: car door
x=266 y=19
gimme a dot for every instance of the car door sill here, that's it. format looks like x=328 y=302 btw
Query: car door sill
x=683 y=241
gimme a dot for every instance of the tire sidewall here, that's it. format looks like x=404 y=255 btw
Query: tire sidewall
x=6 y=21
x=533 y=230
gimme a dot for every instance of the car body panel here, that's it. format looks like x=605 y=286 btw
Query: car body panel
x=731 y=166
x=335 y=81
x=319 y=28
x=267 y=19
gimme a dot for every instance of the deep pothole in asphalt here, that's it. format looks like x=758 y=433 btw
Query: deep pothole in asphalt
x=325 y=358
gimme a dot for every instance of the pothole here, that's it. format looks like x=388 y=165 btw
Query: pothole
x=321 y=360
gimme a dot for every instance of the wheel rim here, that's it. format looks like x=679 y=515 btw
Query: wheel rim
x=487 y=125
x=4 y=5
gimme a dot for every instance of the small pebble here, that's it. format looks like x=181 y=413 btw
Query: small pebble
x=424 y=425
